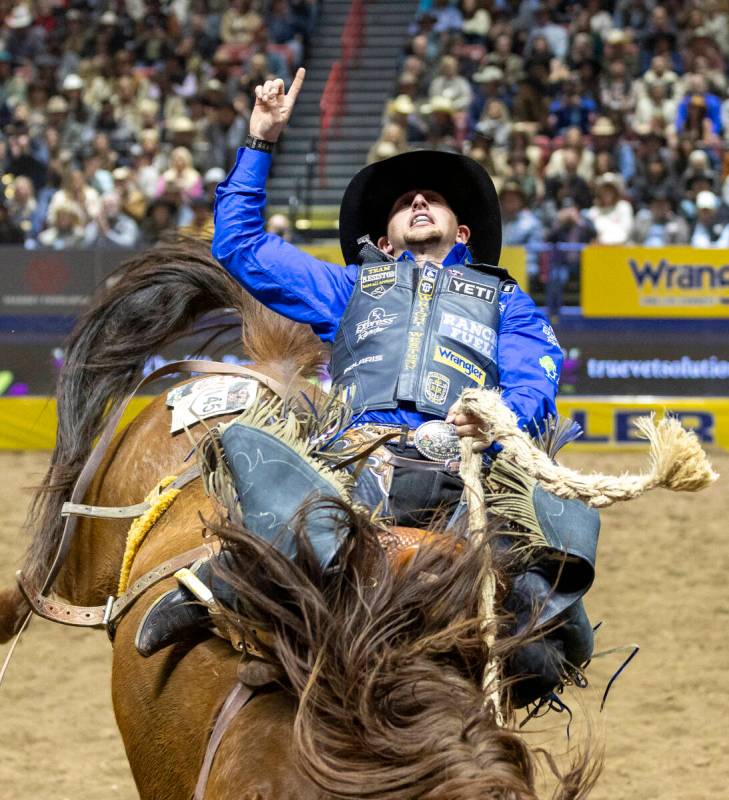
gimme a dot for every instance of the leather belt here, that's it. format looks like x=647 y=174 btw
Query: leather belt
x=435 y=440
x=406 y=437
x=417 y=463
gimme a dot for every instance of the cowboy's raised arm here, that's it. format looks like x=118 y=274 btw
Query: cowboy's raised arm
x=281 y=276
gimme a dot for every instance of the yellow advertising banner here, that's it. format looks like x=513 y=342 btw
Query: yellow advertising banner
x=607 y=422
x=654 y=282
x=512 y=259
x=29 y=423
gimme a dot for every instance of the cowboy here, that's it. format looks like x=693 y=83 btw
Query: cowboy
x=416 y=316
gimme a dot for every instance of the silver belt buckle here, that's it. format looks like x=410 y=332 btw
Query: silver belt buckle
x=437 y=441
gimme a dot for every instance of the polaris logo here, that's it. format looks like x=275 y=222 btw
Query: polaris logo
x=665 y=275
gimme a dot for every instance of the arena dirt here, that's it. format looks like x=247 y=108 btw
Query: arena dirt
x=662 y=582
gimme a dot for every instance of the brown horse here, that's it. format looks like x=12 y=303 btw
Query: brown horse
x=381 y=693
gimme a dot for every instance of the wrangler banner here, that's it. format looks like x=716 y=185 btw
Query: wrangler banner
x=654 y=282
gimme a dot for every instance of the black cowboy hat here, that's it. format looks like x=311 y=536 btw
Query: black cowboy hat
x=470 y=193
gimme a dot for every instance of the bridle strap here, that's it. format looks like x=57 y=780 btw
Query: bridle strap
x=239 y=695
x=102 y=445
x=107 y=615
x=128 y=512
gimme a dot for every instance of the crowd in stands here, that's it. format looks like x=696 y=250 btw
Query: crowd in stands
x=119 y=118
x=600 y=121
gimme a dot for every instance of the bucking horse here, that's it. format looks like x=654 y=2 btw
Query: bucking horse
x=380 y=678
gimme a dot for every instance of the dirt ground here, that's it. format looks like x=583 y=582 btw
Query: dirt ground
x=662 y=579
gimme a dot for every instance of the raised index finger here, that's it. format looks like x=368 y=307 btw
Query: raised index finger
x=296 y=84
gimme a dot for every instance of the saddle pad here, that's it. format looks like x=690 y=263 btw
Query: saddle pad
x=210 y=397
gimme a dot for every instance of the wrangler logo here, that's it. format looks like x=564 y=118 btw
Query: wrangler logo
x=444 y=355
x=665 y=275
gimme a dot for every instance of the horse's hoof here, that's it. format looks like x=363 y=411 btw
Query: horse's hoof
x=173 y=616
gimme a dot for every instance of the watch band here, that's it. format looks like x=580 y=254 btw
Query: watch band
x=254 y=143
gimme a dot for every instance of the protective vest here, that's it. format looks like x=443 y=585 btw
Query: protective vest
x=419 y=335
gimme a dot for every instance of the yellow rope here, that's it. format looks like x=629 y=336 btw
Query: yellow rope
x=159 y=501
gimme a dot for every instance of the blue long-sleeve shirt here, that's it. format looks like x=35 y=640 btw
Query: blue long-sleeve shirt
x=713 y=112
x=305 y=289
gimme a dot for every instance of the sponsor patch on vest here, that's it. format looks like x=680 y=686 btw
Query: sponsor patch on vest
x=377 y=281
x=474 y=334
x=508 y=288
x=366 y=360
x=426 y=284
x=472 y=289
x=376 y=322
x=436 y=388
x=458 y=362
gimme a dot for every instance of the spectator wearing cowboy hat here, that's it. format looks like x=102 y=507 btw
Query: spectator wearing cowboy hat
x=442 y=132
x=66 y=229
x=160 y=218
x=576 y=141
x=403 y=112
x=25 y=41
x=489 y=82
x=605 y=139
x=611 y=214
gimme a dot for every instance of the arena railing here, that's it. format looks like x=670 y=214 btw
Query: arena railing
x=333 y=101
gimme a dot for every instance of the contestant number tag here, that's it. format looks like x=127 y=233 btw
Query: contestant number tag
x=210 y=397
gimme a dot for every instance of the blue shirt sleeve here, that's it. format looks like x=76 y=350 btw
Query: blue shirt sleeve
x=529 y=360
x=281 y=276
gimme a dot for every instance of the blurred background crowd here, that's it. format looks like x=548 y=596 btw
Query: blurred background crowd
x=601 y=122
x=118 y=119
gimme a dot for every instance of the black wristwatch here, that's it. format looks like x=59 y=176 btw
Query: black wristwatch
x=259 y=144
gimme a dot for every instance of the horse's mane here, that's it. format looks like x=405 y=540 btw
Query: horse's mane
x=151 y=300
x=387 y=665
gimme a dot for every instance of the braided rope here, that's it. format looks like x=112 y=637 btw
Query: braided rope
x=470 y=472
x=159 y=501
x=676 y=459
